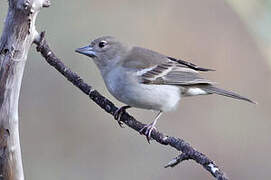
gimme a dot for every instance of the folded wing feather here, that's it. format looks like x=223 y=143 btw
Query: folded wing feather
x=172 y=73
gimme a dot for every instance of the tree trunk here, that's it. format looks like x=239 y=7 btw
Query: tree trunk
x=18 y=34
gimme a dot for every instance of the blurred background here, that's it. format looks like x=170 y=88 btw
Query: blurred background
x=66 y=136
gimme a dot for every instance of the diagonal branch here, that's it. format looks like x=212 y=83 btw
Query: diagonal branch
x=188 y=152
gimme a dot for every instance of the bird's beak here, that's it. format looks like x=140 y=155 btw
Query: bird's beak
x=87 y=50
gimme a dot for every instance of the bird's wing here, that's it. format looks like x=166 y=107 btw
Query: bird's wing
x=190 y=65
x=171 y=73
x=154 y=68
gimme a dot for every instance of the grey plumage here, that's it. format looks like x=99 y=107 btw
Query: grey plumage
x=214 y=90
x=170 y=71
x=146 y=79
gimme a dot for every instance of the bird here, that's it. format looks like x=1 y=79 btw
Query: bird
x=143 y=78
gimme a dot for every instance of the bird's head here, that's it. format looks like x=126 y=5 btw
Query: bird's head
x=104 y=50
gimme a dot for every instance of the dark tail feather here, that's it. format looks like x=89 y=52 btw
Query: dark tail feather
x=215 y=90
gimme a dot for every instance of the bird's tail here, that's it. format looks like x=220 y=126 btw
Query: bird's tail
x=214 y=90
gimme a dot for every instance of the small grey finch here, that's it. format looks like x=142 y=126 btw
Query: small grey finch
x=145 y=79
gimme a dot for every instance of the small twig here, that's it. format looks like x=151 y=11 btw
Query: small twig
x=182 y=157
x=188 y=152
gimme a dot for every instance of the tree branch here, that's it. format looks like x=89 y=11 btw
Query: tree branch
x=188 y=152
x=17 y=37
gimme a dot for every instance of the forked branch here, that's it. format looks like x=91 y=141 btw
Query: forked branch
x=17 y=37
x=188 y=152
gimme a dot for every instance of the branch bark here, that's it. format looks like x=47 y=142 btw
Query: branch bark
x=18 y=34
x=188 y=152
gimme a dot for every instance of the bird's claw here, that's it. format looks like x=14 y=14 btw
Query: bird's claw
x=118 y=114
x=147 y=130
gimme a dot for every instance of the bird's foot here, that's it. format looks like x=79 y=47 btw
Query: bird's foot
x=118 y=114
x=147 y=130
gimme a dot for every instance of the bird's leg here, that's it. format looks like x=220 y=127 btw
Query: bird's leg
x=118 y=114
x=147 y=129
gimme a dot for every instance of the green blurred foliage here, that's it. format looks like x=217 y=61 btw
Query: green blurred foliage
x=257 y=15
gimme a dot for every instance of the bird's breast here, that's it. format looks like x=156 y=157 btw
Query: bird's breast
x=125 y=87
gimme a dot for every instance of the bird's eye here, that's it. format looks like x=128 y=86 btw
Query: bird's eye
x=102 y=44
